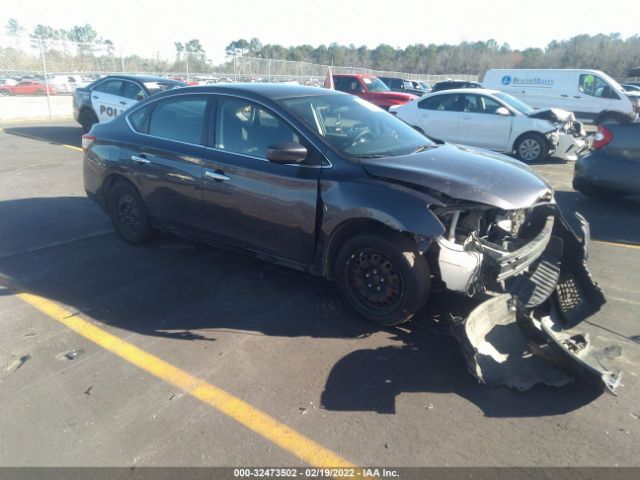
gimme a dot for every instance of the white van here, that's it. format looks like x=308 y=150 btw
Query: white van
x=591 y=95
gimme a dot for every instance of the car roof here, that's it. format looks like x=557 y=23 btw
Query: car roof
x=140 y=78
x=359 y=75
x=486 y=91
x=272 y=91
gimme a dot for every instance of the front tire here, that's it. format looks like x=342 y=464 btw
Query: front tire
x=382 y=277
x=532 y=147
x=128 y=214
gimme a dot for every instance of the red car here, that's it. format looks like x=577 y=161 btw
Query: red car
x=370 y=88
x=28 y=87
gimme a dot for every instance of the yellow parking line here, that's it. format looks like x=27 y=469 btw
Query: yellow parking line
x=619 y=244
x=261 y=423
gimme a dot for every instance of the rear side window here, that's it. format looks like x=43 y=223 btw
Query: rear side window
x=111 y=87
x=446 y=103
x=138 y=119
x=244 y=127
x=179 y=119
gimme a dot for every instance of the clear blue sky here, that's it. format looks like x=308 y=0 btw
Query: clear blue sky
x=148 y=27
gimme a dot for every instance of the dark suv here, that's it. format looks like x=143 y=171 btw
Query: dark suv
x=451 y=84
x=396 y=84
x=327 y=183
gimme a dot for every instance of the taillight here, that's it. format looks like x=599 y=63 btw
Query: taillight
x=602 y=137
x=87 y=140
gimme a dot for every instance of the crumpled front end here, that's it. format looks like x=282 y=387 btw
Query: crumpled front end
x=528 y=271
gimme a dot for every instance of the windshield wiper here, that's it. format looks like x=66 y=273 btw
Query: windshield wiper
x=423 y=148
x=370 y=155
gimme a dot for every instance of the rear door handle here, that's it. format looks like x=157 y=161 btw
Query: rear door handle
x=577 y=96
x=123 y=103
x=563 y=95
x=217 y=176
x=140 y=159
x=95 y=96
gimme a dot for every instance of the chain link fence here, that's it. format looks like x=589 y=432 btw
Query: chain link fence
x=38 y=77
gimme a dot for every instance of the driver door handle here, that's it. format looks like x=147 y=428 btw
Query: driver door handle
x=140 y=160
x=217 y=176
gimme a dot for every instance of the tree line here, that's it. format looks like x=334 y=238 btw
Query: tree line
x=607 y=52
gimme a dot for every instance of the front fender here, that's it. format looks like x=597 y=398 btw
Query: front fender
x=395 y=206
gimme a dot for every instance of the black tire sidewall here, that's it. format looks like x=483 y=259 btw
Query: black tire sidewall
x=411 y=265
x=87 y=120
x=544 y=147
x=143 y=235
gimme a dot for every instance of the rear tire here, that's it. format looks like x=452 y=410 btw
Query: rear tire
x=128 y=214
x=382 y=277
x=532 y=147
x=87 y=119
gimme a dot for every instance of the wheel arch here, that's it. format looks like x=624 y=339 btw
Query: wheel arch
x=109 y=182
x=604 y=114
x=347 y=230
x=531 y=132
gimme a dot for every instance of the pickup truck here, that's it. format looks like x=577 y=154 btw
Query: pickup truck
x=370 y=88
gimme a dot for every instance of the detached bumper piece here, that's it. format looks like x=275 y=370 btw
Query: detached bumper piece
x=526 y=335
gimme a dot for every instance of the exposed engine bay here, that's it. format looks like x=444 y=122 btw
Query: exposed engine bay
x=529 y=269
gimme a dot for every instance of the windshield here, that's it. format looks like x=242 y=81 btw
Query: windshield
x=515 y=103
x=374 y=84
x=161 y=86
x=355 y=127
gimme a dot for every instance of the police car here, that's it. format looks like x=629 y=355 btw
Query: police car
x=107 y=97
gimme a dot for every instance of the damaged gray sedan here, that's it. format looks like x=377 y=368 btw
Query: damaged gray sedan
x=327 y=183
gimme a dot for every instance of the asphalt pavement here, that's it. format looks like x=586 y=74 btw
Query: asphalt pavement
x=180 y=354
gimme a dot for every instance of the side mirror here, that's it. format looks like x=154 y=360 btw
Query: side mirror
x=284 y=153
x=503 y=111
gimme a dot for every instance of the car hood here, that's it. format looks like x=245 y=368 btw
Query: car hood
x=404 y=97
x=552 y=114
x=465 y=173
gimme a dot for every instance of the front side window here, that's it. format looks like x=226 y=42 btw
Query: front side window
x=179 y=119
x=346 y=84
x=133 y=91
x=247 y=128
x=355 y=127
x=594 y=86
x=480 y=104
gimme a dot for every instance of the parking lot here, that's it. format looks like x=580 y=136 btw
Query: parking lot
x=184 y=355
